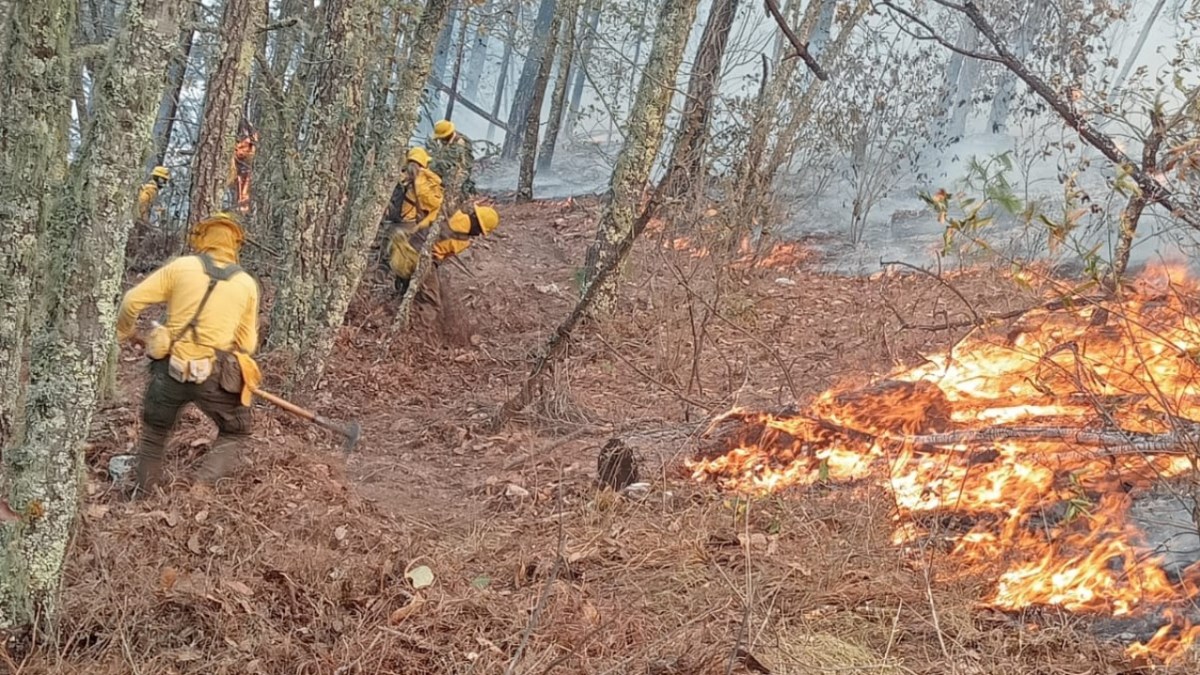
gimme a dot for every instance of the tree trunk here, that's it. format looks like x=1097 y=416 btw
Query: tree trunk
x=643 y=138
x=518 y=114
x=479 y=51
x=35 y=85
x=168 y=107
x=223 y=99
x=558 y=100
x=43 y=470
x=1137 y=50
x=585 y=55
x=514 y=16
x=458 y=57
x=533 y=124
x=327 y=240
x=961 y=85
x=686 y=166
x=1006 y=90
x=441 y=61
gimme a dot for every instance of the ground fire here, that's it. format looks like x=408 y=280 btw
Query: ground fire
x=1025 y=453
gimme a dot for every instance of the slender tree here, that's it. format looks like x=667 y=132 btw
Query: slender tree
x=223 y=99
x=533 y=124
x=558 y=99
x=585 y=54
x=168 y=107
x=42 y=469
x=518 y=114
x=685 y=168
x=514 y=17
x=644 y=131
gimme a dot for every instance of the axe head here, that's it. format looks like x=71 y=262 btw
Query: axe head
x=352 y=431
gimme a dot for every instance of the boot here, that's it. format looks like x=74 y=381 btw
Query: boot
x=150 y=460
x=221 y=460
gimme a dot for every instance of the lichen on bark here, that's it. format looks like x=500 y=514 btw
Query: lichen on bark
x=643 y=138
x=72 y=340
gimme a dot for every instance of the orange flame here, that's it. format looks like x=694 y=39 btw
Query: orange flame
x=1039 y=439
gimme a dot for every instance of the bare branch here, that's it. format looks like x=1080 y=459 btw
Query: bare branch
x=931 y=34
x=801 y=47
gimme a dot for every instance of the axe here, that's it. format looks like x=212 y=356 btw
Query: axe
x=350 y=431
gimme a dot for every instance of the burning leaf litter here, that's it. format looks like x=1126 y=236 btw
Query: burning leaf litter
x=1022 y=453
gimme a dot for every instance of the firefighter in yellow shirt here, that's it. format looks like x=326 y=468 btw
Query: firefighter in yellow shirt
x=149 y=194
x=415 y=205
x=201 y=353
x=461 y=228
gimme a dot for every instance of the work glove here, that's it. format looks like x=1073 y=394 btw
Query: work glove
x=251 y=376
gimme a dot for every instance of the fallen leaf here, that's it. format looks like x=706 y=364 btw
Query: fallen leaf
x=591 y=613
x=187 y=654
x=406 y=611
x=239 y=587
x=340 y=533
x=194 y=544
x=172 y=519
x=481 y=582
x=420 y=577
x=167 y=579
x=202 y=516
x=516 y=491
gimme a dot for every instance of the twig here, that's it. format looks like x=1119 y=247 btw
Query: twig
x=559 y=557
x=653 y=380
x=940 y=280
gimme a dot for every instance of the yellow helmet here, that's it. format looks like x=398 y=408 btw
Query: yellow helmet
x=418 y=155
x=443 y=130
x=220 y=225
x=488 y=218
x=161 y=172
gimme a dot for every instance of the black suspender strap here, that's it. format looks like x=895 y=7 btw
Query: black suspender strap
x=215 y=274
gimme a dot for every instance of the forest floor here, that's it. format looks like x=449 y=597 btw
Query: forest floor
x=298 y=564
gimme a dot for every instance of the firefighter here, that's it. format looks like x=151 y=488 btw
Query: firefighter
x=454 y=161
x=148 y=195
x=462 y=227
x=415 y=205
x=202 y=352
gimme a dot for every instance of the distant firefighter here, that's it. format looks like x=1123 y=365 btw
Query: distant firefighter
x=238 y=181
x=453 y=160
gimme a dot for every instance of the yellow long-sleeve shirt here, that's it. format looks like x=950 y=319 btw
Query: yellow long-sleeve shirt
x=230 y=318
x=145 y=202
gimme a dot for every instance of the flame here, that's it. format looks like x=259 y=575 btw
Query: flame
x=1034 y=444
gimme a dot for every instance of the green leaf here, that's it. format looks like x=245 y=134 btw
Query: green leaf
x=823 y=470
x=481 y=582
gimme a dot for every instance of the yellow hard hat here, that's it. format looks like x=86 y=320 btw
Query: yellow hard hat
x=161 y=172
x=418 y=155
x=223 y=219
x=443 y=130
x=488 y=218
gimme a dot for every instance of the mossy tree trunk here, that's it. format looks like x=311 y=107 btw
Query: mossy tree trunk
x=35 y=86
x=42 y=470
x=644 y=133
x=224 y=94
x=326 y=242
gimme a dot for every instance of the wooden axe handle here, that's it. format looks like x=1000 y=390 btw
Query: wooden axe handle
x=286 y=405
